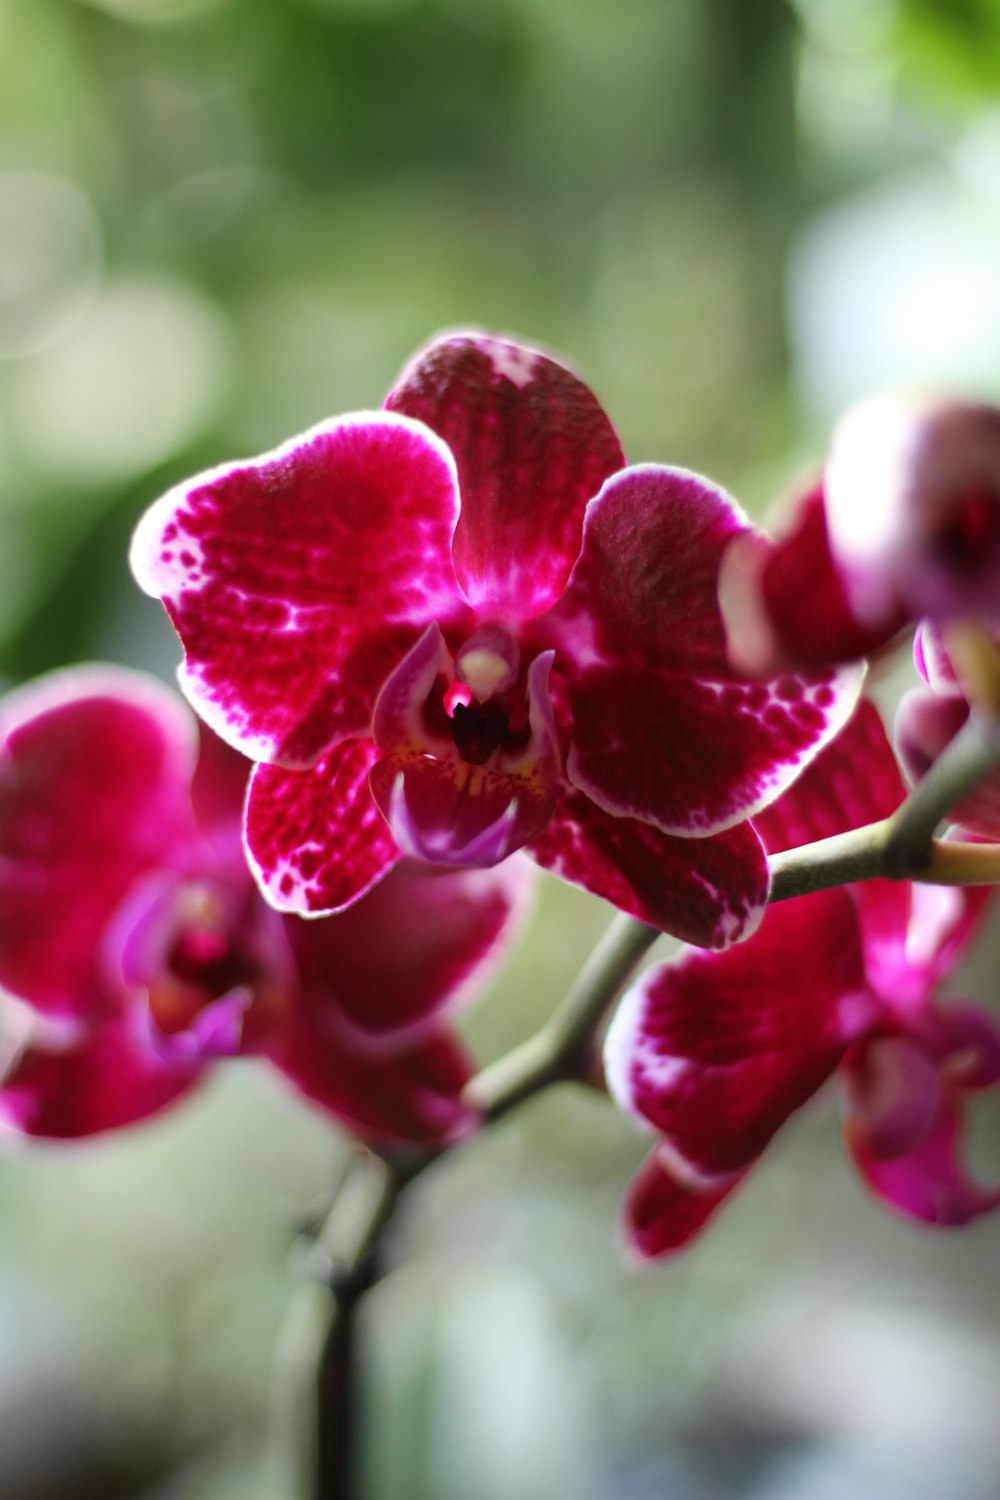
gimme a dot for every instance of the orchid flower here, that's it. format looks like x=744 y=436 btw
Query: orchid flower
x=714 y=1052
x=459 y=627
x=902 y=525
x=135 y=950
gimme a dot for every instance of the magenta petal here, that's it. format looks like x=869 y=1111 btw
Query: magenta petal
x=913 y=507
x=785 y=604
x=694 y=758
x=710 y=892
x=644 y=588
x=532 y=445
x=315 y=839
x=894 y=1093
x=296 y=581
x=409 y=1093
x=400 y=721
x=853 y=781
x=928 y=1183
x=931 y=659
x=219 y=786
x=716 y=1051
x=95 y=765
x=107 y=1082
x=450 y=813
x=663 y=1213
x=663 y=731
x=971 y=1044
x=420 y=940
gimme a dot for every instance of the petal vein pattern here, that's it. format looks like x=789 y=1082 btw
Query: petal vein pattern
x=664 y=729
x=296 y=581
x=532 y=445
x=715 y=1052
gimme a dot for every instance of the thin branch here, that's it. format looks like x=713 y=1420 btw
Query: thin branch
x=902 y=847
x=960 y=864
x=846 y=857
x=345 y=1255
x=963 y=763
x=563 y=1048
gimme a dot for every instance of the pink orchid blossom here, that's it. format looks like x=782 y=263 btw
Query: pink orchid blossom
x=135 y=949
x=714 y=1052
x=459 y=627
x=903 y=525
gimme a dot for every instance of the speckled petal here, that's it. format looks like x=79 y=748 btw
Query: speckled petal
x=710 y=892
x=95 y=767
x=532 y=446
x=717 y=1051
x=298 y=580
x=663 y=731
x=315 y=839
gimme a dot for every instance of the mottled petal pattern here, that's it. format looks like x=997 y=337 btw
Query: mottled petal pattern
x=695 y=758
x=717 y=1051
x=710 y=892
x=315 y=839
x=297 y=581
x=663 y=730
x=532 y=446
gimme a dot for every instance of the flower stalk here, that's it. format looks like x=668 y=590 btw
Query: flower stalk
x=903 y=847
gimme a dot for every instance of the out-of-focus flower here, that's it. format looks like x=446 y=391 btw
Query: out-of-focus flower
x=460 y=626
x=903 y=525
x=714 y=1052
x=135 y=949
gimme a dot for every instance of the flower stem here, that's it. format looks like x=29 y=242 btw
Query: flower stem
x=564 y=1047
x=902 y=847
x=346 y=1256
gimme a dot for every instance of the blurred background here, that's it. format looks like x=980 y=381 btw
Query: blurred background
x=223 y=220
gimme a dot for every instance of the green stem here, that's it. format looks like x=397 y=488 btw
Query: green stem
x=564 y=1047
x=902 y=847
x=345 y=1255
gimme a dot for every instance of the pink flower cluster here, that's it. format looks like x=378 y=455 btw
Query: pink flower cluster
x=462 y=626
x=135 y=951
x=425 y=638
x=715 y=1052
